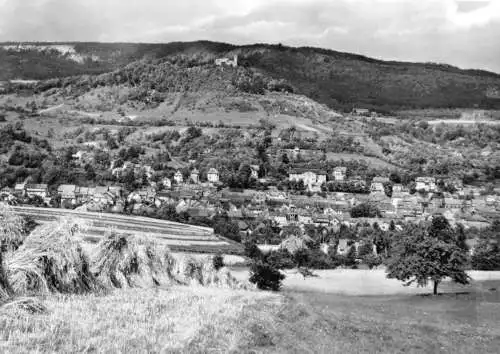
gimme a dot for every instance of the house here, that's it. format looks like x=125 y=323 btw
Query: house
x=311 y=179
x=339 y=173
x=40 y=190
x=378 y=183
x=453 y=203
x=213 y=175
x=279 y=218
x=178 y=177
x=228 y=62
x=83 y=194
x=255 y=171
x=20 y=189
x=82 y=157
x=167 y=183
x=117 y=191
x=344 y=246
x=400 y=189
x=304 y=218
x=67 y=192
x=427 y=184
x=360 y=111
x=195 y=176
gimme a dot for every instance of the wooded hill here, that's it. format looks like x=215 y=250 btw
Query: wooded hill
x=340 y=80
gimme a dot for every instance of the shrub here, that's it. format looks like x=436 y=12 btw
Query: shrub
x=265 y=276
x=486 y=257
x=252 y=251
x=372 y=260
x=280 y=259
x=365 y=210
x=218 y=261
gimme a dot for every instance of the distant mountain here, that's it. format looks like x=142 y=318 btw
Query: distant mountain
x=339 y=80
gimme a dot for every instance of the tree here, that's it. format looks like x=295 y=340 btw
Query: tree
x=425 y=255
x=486 y=256
x=265 y=276
x=365 y=210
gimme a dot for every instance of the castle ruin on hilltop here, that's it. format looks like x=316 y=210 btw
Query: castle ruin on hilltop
x=226 y=61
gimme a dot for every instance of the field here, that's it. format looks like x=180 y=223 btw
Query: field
x=201 y=320
x=374 y=162
x=179 y=237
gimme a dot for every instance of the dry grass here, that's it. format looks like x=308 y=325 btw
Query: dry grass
x=180 y=319
x=183 y=319
x=5 y=288
x=51 y=259
x=124 y=261
x=11 y=228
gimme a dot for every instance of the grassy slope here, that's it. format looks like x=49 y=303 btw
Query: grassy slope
x=199 y=320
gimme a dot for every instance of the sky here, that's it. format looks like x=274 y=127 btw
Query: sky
x=462 y=33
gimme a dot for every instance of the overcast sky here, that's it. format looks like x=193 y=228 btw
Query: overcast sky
x=462 y=33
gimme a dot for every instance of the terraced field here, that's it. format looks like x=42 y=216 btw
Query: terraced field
x=179 y=237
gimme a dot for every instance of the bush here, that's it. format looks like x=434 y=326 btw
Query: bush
x=312 y=258
x=218 y=261
x=365 y=210
x=252 y=251
x=372 y=260
x=281 y=259
x=486 y=257
x=265 y=276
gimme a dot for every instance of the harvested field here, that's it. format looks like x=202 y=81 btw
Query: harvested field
x=179 y=237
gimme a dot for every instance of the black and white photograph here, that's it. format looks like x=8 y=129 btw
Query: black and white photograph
x=250 y=176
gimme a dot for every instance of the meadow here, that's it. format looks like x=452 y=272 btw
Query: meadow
x=203 y=320
x=127 y=293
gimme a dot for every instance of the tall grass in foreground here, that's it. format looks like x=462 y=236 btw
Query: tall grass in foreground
x=51 y=259
x=124 y=261
x=11 y=228
x=179 y=319
x=11 y=236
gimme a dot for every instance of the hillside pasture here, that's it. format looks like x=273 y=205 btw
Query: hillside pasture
x=374 y=162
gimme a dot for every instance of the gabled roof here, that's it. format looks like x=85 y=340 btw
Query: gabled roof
x=304 y=170
x=66 y=188
x=36 y=186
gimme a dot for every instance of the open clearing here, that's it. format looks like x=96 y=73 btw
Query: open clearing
x=364 y=282
x=371 y=161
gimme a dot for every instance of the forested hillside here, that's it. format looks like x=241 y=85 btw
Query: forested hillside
x=340 y=80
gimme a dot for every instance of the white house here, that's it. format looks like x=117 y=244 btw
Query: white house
x=427 y=184
x=339 y=173
x=167 y=183
x=213 y=176
x=311 y=179
x=178 y=177
x=255 y=171
x=195 y=176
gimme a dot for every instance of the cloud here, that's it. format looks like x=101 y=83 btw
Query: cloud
x=457 y=32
